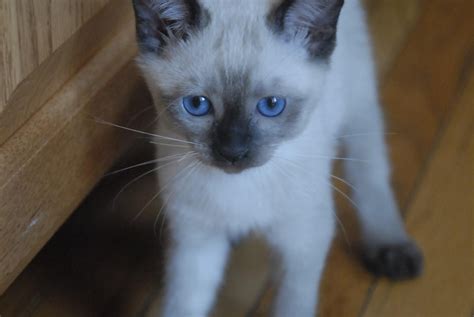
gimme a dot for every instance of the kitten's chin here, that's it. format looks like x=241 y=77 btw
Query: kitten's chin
x=236 y=167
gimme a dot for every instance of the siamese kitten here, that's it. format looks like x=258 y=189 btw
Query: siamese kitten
x=254 y=97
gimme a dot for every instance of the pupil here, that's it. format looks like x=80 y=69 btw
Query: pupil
x=272 y=102
x=197 y=102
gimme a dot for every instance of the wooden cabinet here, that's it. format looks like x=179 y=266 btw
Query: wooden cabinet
x=63 y=64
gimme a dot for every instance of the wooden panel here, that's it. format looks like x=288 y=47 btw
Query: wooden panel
x=440 y=218
x=54 y=160
x=42 y=82
x=18 y=149
x=32 y=30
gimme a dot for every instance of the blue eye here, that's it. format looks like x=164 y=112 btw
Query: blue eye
x=197 y=105
x=271 y=106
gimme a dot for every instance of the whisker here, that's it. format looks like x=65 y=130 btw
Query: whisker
x=158 y=215
x=135 y=116
x=341 y=225
x=335 y=158
x=170 y=145
x=161 y=159
x=344 y=181
x=158 y=116
x=191 y=171
x=143 y=132
x=364 y=134
x=141 y=176
x=344 y=195
x=158 y=194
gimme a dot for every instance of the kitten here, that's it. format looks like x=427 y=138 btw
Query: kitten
x=254 y=96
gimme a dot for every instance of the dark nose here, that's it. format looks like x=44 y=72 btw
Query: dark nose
x=232 y=152
x=231 y=143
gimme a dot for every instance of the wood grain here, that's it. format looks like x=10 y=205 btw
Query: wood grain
x=34 y=88
x=32 y=31
x=440 y=219
x=55 y=159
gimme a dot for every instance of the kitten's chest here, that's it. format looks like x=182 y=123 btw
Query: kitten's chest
x=239 y=204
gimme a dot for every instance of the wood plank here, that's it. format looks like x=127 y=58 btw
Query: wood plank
x=32 y=30
x=56 y=158
x=440 y=218
x=36 y=87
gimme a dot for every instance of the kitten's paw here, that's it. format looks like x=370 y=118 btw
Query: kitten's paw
x=396 y=261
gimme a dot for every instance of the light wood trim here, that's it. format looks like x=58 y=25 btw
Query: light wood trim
x=56 y=158
x=39 y=85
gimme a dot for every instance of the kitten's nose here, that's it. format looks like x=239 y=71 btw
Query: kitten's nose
x=232 y=152
x=232 y=143
x=232 y=137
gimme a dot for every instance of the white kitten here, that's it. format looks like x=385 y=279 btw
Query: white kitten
x=259 y=93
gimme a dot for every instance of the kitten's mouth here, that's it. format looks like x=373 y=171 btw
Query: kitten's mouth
x=228 y=166
x=232 y=168
x=236 y=166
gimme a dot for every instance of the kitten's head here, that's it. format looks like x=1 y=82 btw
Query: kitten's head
x=236 y=77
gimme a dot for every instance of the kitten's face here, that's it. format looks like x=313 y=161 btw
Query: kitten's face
x=234 y=83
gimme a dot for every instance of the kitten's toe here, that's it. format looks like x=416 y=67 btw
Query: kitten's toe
x=396 y=261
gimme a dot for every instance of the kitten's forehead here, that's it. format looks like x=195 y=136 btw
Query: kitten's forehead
x=244 y=8
x=235 y=49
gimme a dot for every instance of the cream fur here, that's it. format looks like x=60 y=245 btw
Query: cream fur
x=289 y=199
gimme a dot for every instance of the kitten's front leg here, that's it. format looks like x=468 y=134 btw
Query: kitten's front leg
x=194 y=272
x=302 y=244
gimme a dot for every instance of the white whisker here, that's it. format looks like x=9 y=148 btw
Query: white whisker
x=344 y=195
x=341 y=225
x=135 y=116
x=170 y=145
x=344 y=181
x=159 y=192
x=143 y=175
x=363 y=134
x=161 y=159
x=335 y=158
x=158 y=116
x=144 y=133
x=191 y=171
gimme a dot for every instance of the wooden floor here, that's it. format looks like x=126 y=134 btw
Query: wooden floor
x=103 y=262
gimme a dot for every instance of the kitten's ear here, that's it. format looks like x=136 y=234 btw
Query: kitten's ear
x=160 y=21
x=314 y=21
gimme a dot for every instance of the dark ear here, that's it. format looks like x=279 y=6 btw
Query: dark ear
x=313 y=20
x=160 y=21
